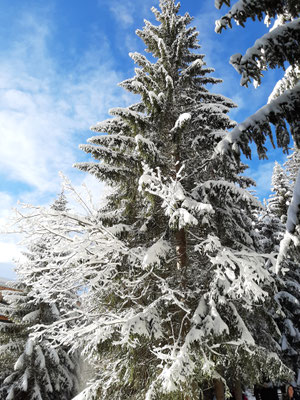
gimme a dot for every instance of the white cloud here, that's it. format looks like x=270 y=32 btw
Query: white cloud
x=9 y=252
x=43 y=108
x=126 y=12
x=129 y=16
x=123 y=13
x=38 y=124
x=45 y=113
x=6 y=203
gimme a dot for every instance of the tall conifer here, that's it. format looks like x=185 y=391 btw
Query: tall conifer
x=176 y=289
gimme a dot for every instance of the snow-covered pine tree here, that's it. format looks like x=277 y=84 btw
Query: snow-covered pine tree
x=41 y=371
x=288 y=315
x=176 y=288
x=291 y=279
x=285 y=310
x=275 y=49
x=292 y=165
x=9 y=344
x=42 y=368
x=278 y=202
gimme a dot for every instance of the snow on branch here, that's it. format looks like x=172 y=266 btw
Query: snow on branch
x=112 y=140
x=104 y=172
x=257 y=126
x=293 y=217
x=181 y=209
x=291 y=224
x=157 y=252
x=290 y=80
x=244 y=9
x=271 y=50
x=182 y=121
x=239 y=274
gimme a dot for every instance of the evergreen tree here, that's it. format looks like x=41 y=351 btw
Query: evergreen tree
x=9 y=344
x=292 y=165
x=174 y=291
x=282 y=193
x=42 y=368
x=270 y=227
x=287 y=315
x=285 y=310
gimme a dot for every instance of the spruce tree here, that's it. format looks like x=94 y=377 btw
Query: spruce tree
x=285 y=310
x=282 y=193
x=40 y=367
x=287 y=315
x=9 y=339
x=292 y=165
x=174 y=291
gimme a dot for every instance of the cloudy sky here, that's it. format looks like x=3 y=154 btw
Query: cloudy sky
x=60 y=62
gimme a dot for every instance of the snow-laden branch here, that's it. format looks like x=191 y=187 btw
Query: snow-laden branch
x=291 y=224
x=181 y=209
x=271 y=50
x=290 y=80
x=293 y=211
x=257 y=126
x=245 y=9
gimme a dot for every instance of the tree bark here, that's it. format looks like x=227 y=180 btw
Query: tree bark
x=180 y=235
x=237 y=390
x=207 y=394
x=181 y=249
x=219 y=390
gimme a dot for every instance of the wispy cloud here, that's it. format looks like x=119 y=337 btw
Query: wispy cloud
x=129 y=16
x=45 y=113
x=127 y=11
x=123 y=13
x=41 y=113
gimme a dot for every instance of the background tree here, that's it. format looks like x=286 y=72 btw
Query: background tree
x=9 y=339
x=42 y=368
x=278 y=202
x=176 y=285
x=292 y=165
x=285 y=310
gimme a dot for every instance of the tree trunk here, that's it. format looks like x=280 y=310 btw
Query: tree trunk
x=181 y=249
x=237 y=390
x=219 y=390
x=207 y=394
x=180 y=235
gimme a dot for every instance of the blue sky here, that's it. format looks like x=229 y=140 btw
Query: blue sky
x=60 y=62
